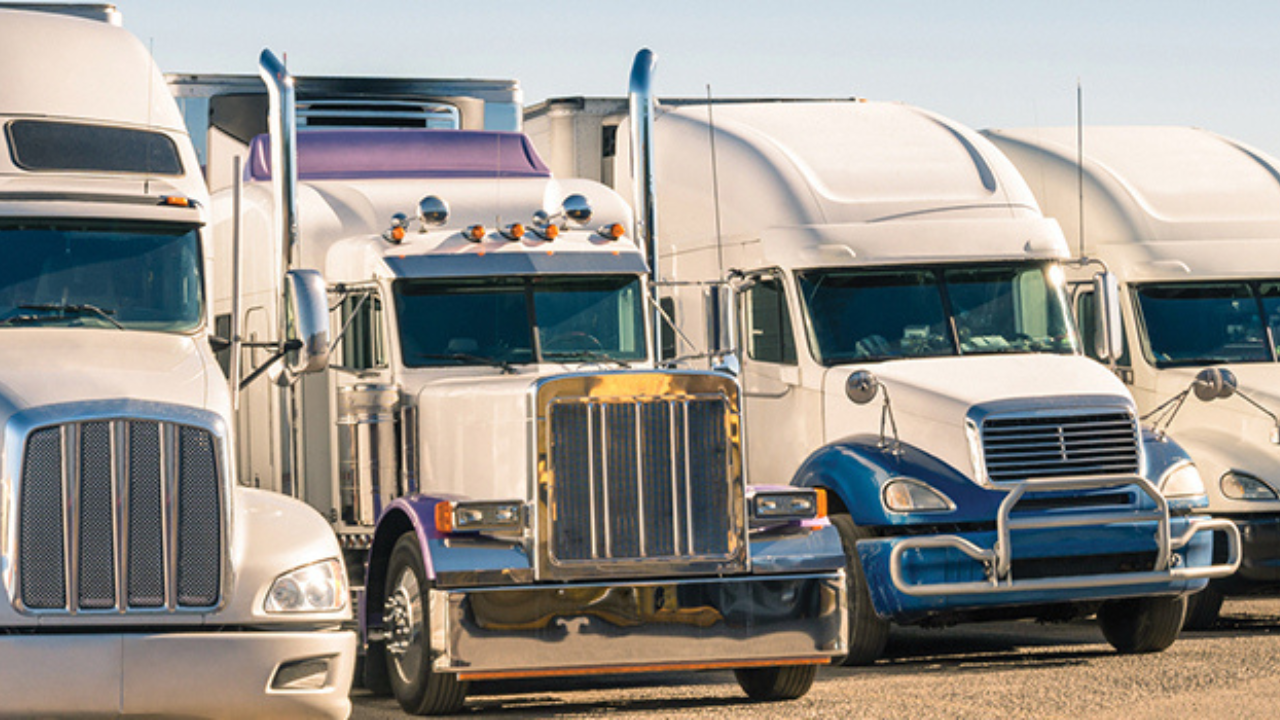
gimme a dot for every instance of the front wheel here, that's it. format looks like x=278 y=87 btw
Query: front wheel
x=868 y=632
x=1142 y=625
x=418 y=689
x=776 y=683
x=1203 y=609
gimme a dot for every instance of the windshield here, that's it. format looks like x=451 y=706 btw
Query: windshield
x=509 y=320
x=935 y=311
x=113 y=275
x=1204 y=323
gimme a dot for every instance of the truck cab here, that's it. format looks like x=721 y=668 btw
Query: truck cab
x=905 y=344
x=1189 y=222
x=139 y=577
x=526 y=493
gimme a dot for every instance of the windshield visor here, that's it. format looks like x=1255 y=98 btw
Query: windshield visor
x=101 y=275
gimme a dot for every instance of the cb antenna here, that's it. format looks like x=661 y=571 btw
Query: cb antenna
x=1080 y=163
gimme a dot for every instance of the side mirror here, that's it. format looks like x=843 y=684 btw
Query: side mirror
x=721 y=319
x=1109 y=339
x=1215 y=384
x=306 y=331
x=861 y=387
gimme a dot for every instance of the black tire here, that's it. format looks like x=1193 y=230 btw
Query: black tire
x=1203 y=609
x=408 y=657
x=371 y=670
x=776 y=683
x=1142 y=625
x=868 y=632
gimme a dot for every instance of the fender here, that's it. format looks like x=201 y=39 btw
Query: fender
x=466 y=560
x=855 y=469
x=1160 y=455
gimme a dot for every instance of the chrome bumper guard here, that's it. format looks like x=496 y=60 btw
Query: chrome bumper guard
x=747 y=621
x=998 y=560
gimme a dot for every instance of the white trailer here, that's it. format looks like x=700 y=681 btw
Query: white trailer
x=905 y=345
x=1189 y=221
x=523 y=493
x=139 y=578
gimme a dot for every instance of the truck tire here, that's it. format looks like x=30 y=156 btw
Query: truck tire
x=408 y=657
x=371 y=670
x=1203 y=609
x=1142 y=625
x=776 y=683
x=868 y=632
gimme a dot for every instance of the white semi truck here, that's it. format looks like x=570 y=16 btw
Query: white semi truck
x=138 y=577
x=906 y=345
x=1189 y=221
x=522 y=492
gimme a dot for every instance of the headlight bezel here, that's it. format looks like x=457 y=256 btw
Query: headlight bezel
x=1268 y=492
x=905 y=495
x=504 y=517
x=318 y=587
x=778 y=507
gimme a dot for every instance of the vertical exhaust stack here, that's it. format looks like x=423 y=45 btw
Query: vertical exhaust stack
x=644 y=196
x=283 y=125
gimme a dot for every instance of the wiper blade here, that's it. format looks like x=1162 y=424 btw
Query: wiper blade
x=506 y=367
x=81 y=309
x=586 y=355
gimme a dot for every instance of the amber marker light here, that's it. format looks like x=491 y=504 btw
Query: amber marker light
x=397 y=234
x=513 y=232
x=612 y=232
x=177 y=201
x=551 y=232
x=444 y=517
x=822 y=502
x=474 y=233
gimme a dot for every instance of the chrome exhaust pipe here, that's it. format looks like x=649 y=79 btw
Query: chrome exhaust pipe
x=640 y=107
x=282 y=123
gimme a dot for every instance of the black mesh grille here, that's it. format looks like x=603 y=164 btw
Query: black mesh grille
x=127 y=510
x=199 y=526
x=625 y=487
x=1023 y=448
x=41 y=554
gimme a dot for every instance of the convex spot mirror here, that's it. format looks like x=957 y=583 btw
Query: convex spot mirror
x=306 y=331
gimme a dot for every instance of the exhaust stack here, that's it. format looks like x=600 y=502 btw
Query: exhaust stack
x=644 y=196
x=283 y=126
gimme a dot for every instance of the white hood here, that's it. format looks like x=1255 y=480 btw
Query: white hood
x=46 y=366
x=931 y=398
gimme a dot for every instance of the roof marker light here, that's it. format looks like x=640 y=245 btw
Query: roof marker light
x=474 y=233
x=513 y=232
x=612 y=232
x=178 y=201
x=395 y=233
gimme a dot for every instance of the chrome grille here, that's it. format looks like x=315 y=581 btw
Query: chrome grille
x=140 y=505
x=644 y=480
x=1089 y=443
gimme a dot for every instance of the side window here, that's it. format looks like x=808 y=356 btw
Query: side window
x=363 y=346
x=1087 y=324
x=767 y=323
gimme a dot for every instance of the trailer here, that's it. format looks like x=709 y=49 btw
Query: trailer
x=522 y=492
x=139 y=577
x=896 y=306
x=1189 y=222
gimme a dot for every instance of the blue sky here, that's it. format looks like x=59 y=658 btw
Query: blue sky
x=986 y=64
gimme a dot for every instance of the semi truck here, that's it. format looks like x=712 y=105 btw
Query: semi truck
x=139 y=577
x=521 y=491
x=1189 y=222
x=906 y=346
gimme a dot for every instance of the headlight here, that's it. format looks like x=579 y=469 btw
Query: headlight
x=1182 y=481
x=785 y=506
x=1243 y=486
x=907 y=495
x=319 y=587
x=505 y=516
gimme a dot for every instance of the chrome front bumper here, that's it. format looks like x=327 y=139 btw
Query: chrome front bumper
x=997 y=561
x=189 y=675
x=642 y=626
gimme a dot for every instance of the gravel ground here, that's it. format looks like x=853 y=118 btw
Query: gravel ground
x=995 y=670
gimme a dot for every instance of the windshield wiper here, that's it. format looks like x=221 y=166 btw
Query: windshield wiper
x=81 y=309
x=586 y=355
x=506 y=367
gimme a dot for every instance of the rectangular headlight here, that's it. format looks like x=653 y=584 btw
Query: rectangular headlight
x=788 y=505
x=501 y=516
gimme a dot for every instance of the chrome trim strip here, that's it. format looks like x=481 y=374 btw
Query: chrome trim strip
x=71 y=514
x=120 y=497
x=644 y=548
